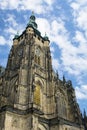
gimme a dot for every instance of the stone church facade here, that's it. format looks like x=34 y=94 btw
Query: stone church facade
x=32 y=97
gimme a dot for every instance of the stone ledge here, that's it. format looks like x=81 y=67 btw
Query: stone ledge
x=58 y=120
x=20 y=112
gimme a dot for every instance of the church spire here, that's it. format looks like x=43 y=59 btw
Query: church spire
x=64 y=80
x=32 y=22
x=84 y=113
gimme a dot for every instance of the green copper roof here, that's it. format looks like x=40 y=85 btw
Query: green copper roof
x=32 y=16
x=46 y=37
x=32 y=22
x=16 y=36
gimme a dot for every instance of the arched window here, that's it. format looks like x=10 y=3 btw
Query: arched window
x=37 y=95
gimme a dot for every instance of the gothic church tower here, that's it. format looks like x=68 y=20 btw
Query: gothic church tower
x=32 y=97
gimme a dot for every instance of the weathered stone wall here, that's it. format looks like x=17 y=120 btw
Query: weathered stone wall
x=2 y=120
x=69 y=127
x=17 y=122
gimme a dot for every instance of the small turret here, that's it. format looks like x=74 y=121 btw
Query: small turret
x=57 y=75
x=84 y=114
x=64 y=80
x=16 y=36
x=46 y=39
x=15 y=39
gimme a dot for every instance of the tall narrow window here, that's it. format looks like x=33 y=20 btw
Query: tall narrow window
x=35 y=58
x=39 y=60
x=37 y=95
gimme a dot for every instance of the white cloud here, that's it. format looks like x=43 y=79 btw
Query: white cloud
x=12 y=27
x=52 y=49
x=58 y=27
x=11 y=20
x=78 y=64
x=10 y=31
x=81 y=19
x=81 y=92
x=79 y=13
x=6 y=4
x=75 y=6
x=32 y=5
x=38 y=6
x=55 y=63
x=49 y=2
x=79 y=37
x=11 y=24
x=2 y=40
x=43 y=26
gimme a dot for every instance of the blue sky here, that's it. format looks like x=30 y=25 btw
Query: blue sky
x=65 y=22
